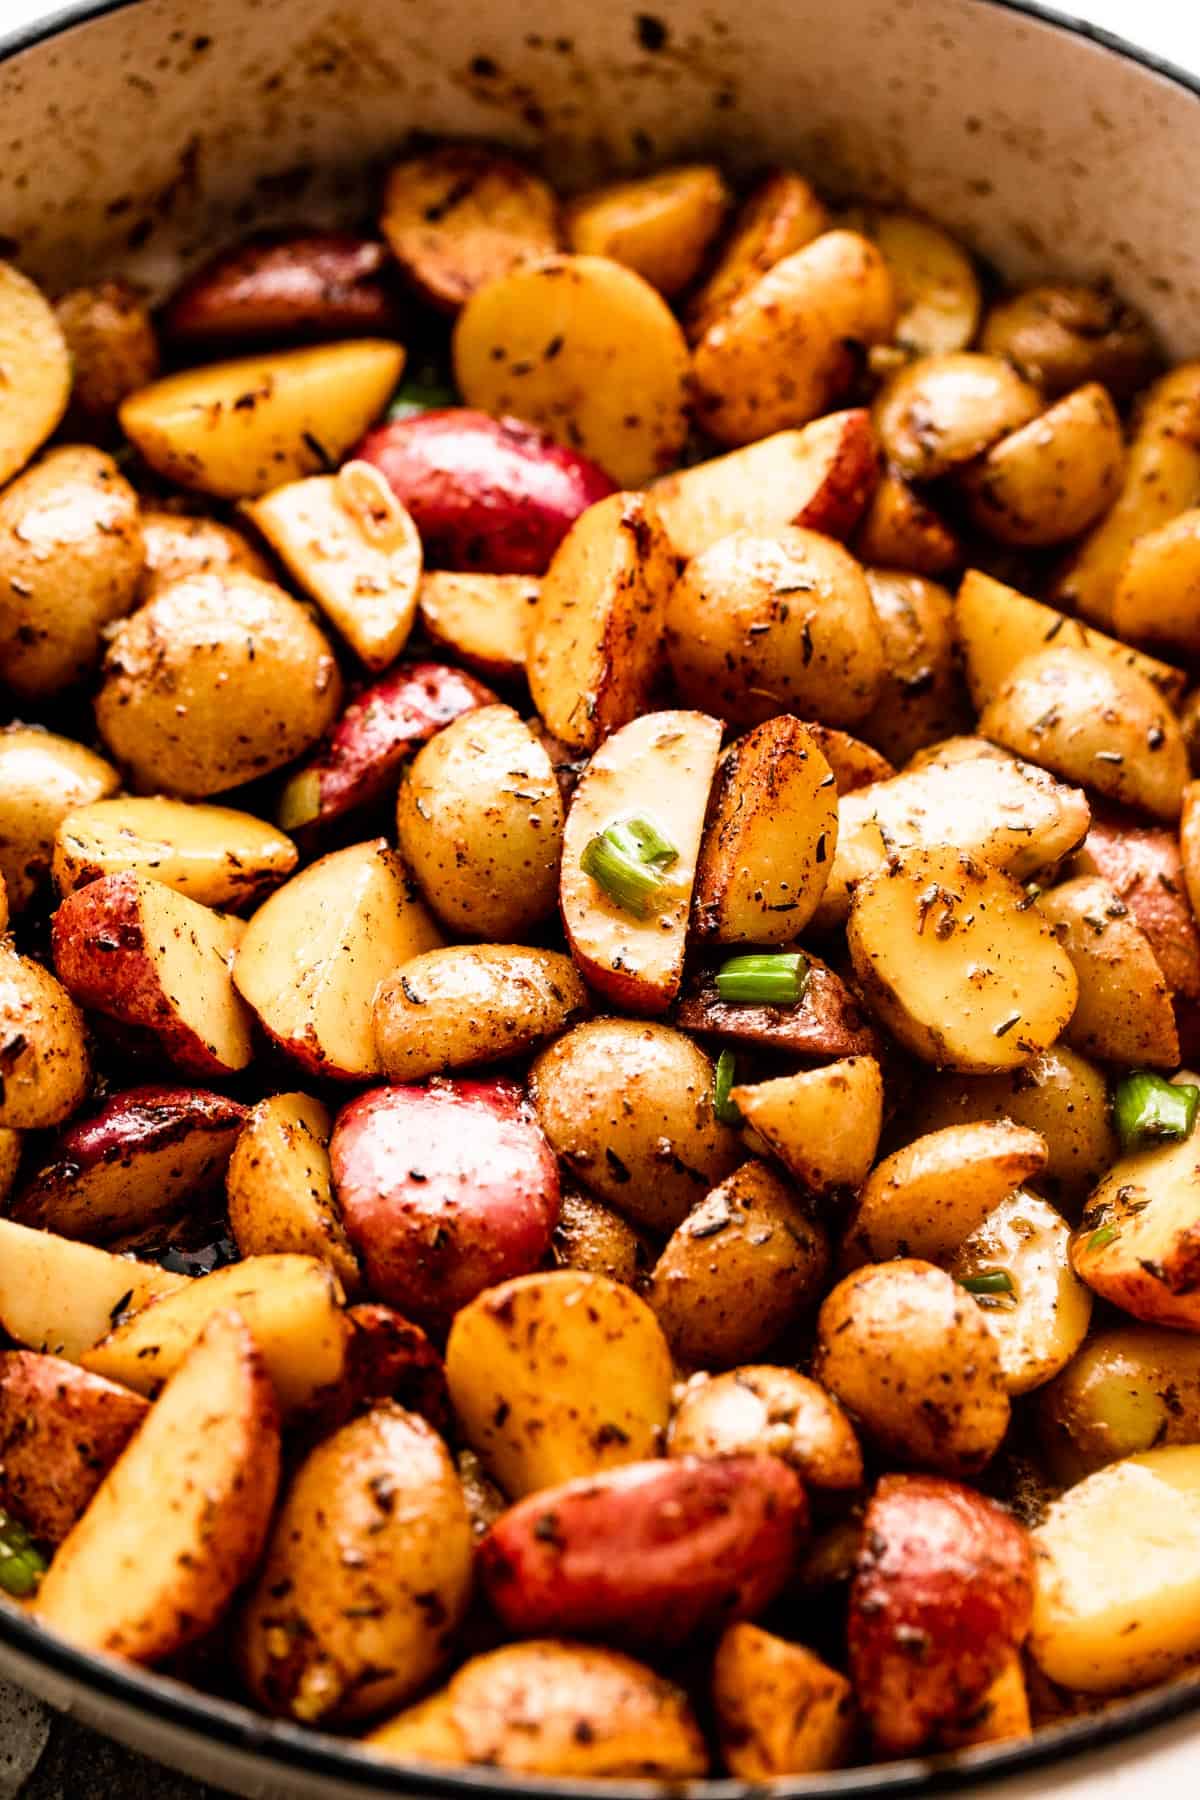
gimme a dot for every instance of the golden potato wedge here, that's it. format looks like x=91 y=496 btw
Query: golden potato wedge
x=921 y=700
x=33 y=348
x=112 y=345
x=823 y=1124
x=769 y=840
x=179 y=544
x=596 y=632
x=657 y=770
x=944 y=410
x=557 y=1375
x=761 y=1410
x=782 y=214
x=213 y=854
x=1127 y=1390
x=1052 y=478
x=43 y=779
x=1060 y=336
x=1040 y=1318
x=780 y=1709
x=483 y=619
x=900 y=530
x=180 y=1520
x=1123 y=1013
x=937 y=290
x=280 y=1190
x=611 y=336
x=659 y=225
x=957 y=963
x=1156 y=599
x=236 y=429
x=291 y=1304
x=593 y=1237
x=61 y=1430
x=44 y=1062
x=479 y=1003
x=1138 y=1242
x=63 y=1297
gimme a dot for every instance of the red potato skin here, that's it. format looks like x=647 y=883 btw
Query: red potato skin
x=840 y=497
x=489 y=494
x=654 y=1553
x=827 y=1023
x=445 y=1190
x=286 y=286
x=1142 y=863
x=387 y=1358
x=61 y=1430
x=942 y=1594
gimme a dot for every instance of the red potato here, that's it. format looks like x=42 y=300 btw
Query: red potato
x=61 y=1430
x=490 y=494
x=360 y=761
x=387 y=1358
x=1143 y=866
x=285 y=286
x=654 y=1553
x=143 y=1156
x=942 y=1595
x=826 y=1023
x=445 y=1190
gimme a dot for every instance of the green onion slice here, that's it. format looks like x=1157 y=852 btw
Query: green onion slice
x=771 y=978
x=1151 y=1110
x=1100 y=1238
x=21 y=1564
x=723 y=1080
x=989 y=1281
x=421 y=392
x=627 y=860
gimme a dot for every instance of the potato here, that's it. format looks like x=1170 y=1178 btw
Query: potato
x=558 y=1374
x=942 y=1596
x=593 y=1238
x=444 y=1191
x=1059 y=336
x=784 y=349
x=900 y=531
x=462 y=215
x=921 y=700
x=1136 y=1244
x=180 y=1520
x=235 y=429
x=291 y=1305
x=1162 y=478
x=762 y=625
x=1088 y=720
x=1123 y=1012
x=277 y=286
x=761 y=1410
x=112 y=346
x=957 y=963
x=658 y=1553
x=70 y=559
x=1145 y=868
x=178 y=544
x=366 y=1577
x=61 y=1430
x=1053 y=477
x=1157 y=594
x=387 y=1358
x=1041 y=1318
x=609 y=336
x=747 y=1260
x=820 y=477
x=1117 y=1598
x=596 y=630
x=1126 y=1390
x=780 y=1709
x=143 y=954
x=486 y=494
x=944 y=410
x=909 y=1355
x=280 y=1188
x=479 y=1003
x=781 y=215
x=653 y=1161
x=823 y=1124
x=925 y=1199
x=353 y=548
x=62 y=1297
x=483 y=620
x=659 y=225
x=854 y=763
x=11 y=1146
x=937 y=290
x=314 y=954
x=479 y=820
x=43 y=778
x=1002 y=1714
x=143 y=1156
x=552 y=1708
x=213 y=854
x=33 y=348
x=218 y=679
x=44 y=1066
x=827 y=1021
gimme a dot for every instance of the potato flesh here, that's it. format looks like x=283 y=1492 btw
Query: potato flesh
x=280 y=1189
x=1042 y=1322
x=61 y=1296
x=924 y=1199
x=781 y=215
x=1138 y=1242
x=213 y=854
x=1123 y=1011
x=823 y=1124
x=188 y=944
x=43 y=779
x=937 y=291
x=660 y=226
x=484 y=619
x=33 y=353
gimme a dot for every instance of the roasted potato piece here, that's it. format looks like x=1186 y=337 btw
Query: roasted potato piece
x=213 y=854
x=827 y=1021
x=1138 y=1242
x=594 y=1238
x=112 y=345
x=1123 y=1011
x=1144 y=866
x=62 y=1297
x=43 y=778
x=921 y=700
x=944 y=410
x=1001 y=1715
x=280 y=286
x=484 y=620
x=1126 y=1390
x=178 y=544
x=767 y=1411
x=908 y=1353
x=1156 y=599
x=854 y=763
x=61 y=1430
x=823 y=1124
x=901 y=531
x=556 y=1375
x=43 y=1046
x=781 y=215
x=1060 y=336
x=937 y=291
x=33 y=348
x=280 y=1188
x=1052 y=478
x=957 y=963
x=478 y=1003
x=460 y=216
x=1040 y=1316
x=659 y=225
x=780 y=1709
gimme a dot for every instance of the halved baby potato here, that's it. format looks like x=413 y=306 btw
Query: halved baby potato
x=43 y=779
x=1156 y=599
x=1041 y=1316
x=1053 y=477
x=483 y=619
x=938 y=297
x=823 y=1124
x=1062 y=334
x=900 y=530
x=214 y=854
x=921 y=700
x=34 y=352
x=780 y=215
x=1123 y=1011
x=63 y=1297
x=659 y=225
x=473 y=1003
x=944 y=410
x=279 y=1187
x=1138 y=1243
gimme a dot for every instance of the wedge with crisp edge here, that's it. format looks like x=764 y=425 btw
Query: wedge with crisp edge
x=822 y=1124
x=63 y=1297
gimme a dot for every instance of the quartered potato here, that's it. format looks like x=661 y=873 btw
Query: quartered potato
x=1138 y=1241
x=62 y=1297
x=769 y=1411
x=279 y=1188
x=921 y=700
x=937 y=291
x=660 y=225
x=45 y=1069
x=1039 y=1315
x=1060 y=336
x=780 y=215
x=900 y=530
x=279 y=286
x=1146 y=866
x=483 y=620
x=944 y=410
x=34 y=352
x=1127 y=1390
x=43 y=778
x=213 y=854
x=780 y=1709
x=61 y=1430
x=822 y=1124
x=475 y=1003
x=1049 y=480
x=1123 y=1012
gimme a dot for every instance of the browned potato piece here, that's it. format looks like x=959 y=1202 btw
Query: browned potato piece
x=745 y=1262
x=367 y=1575
x=943 y=410
x=213 y=854
x=1125 y=1391
x=455 y=1008
x=901 y=531
x=43 y=778
x=780 y=216
x=770 y=838
x=592 y=1237
x=780 y=1709
x=921 y=700
x=43 y=1046
x=1144 y=865
x=111 y=343
x=594 y=638
x=925 y=1199
x=1123 y=1012
x=908 y=1353
x=784 y=350
x=1049 y=480
x=458 y=216
x=70 y=559
x=178 y=544
x=828 y=1020
x=61 y=1430
x=761 y=1410
x=854 y=763
x=823 y=1124
x=957 y=963
x=660 y=225
x=551 y=1708
x=1060 y=336
x=1040 y=1318
x=1091 y=721
x=762 y=625
x=1157 y=595
x=937 y=289
x=33 y=351
x=1002 y=1714
x=484 y=620
x=280 y=1190
x=1138 y=1243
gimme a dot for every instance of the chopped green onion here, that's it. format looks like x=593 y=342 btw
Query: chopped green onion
x=1100 y=1238
x=989 y=1281
x=627 y=860
x=723 y=1080
x=22 y=1565
x=421 y=392
x=1151 y=1110
x=773 y=978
